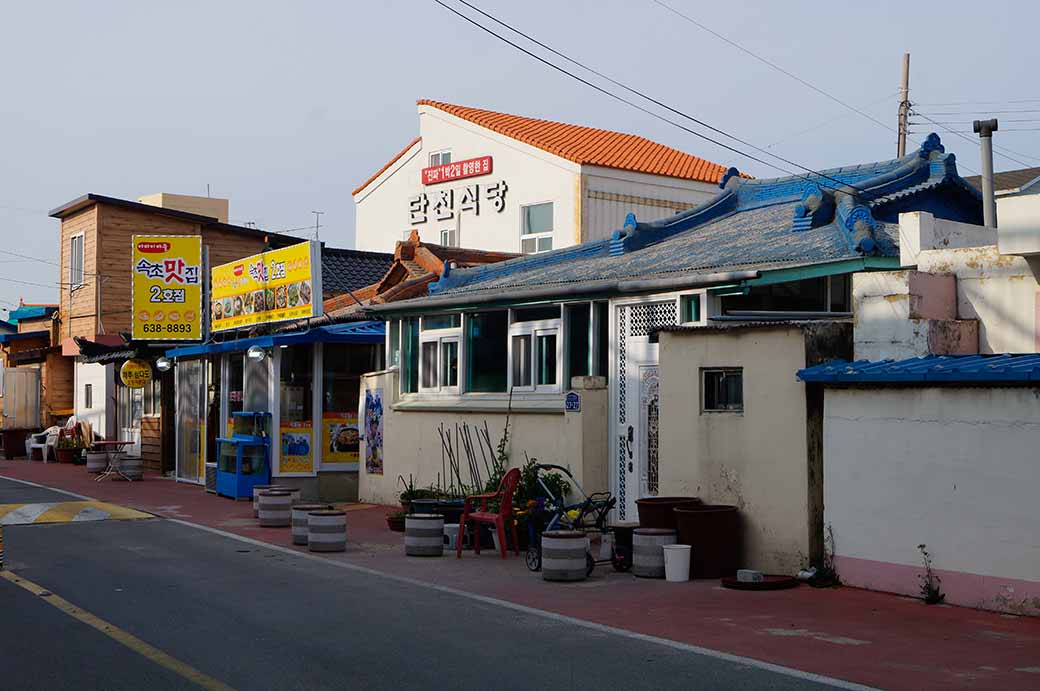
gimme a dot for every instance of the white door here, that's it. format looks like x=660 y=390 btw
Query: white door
x=636 y=401
x=131 y=407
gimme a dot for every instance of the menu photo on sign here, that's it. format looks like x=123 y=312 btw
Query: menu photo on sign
x=167 y=288
x=278 y=285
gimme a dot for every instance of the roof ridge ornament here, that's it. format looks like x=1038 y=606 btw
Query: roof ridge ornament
x=730 y=173
x=858 y=222
x=931 y=143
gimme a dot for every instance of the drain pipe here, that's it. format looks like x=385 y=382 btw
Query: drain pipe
x=985 y=130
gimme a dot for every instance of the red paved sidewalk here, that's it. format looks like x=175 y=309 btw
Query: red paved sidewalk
x=871 y=638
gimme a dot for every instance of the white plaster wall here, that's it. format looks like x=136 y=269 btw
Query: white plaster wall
x=412 y=446
x=533 y=176
x=1018 y=224
x=998 y=290
x=955 y=469
x=102 y=413
x=757 y=460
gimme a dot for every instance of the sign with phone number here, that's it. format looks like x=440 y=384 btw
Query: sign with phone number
x=167 y=287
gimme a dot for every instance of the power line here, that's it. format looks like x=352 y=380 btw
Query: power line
x=829 y=121
x=772 y=64
x=985 y=112
x=980 y=103
x=969 y=139
x=635 y=92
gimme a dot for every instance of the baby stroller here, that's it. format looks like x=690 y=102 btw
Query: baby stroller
x=591 y=515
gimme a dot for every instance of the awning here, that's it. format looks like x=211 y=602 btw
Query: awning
x=932 y=369
x=351 y=332
x=7 y=338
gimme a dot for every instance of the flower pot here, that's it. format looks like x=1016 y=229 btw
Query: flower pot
x=713 y=531
x=395 y=522
x=65 y=455
x=656 y=512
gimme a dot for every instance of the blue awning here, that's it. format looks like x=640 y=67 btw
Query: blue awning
x=965 y=369
x=349 y=332
x=4 y=338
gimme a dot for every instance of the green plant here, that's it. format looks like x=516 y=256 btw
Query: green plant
x=931 y=584
x=68 y=441
x=412 y=492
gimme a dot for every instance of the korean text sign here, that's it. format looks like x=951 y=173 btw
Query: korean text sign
x=167 y=288
x=274 y=286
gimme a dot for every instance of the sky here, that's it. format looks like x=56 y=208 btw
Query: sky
x=285 y=107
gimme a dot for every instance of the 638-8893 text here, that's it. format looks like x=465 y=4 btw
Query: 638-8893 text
x=166 y=328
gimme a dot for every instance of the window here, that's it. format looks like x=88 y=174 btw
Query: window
x=487 y=339
x=689 y=309
x=296 y=407
x=450 y=237
x=88 y=396
x=410 y=355
x=394 y=343
x=440 y=353
x=579 y=341
x=723 y=390
x=534 y=339
x=153 y=398
x=439 y=158
x=76 y=261
x=536 y=228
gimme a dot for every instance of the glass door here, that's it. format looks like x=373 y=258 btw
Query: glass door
x=129 y=409
x=192 y=399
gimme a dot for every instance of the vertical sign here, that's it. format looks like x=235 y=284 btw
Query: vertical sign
x=167 y=288
x=374 y=431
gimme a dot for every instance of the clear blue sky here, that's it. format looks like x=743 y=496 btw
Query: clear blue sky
x=285 y=107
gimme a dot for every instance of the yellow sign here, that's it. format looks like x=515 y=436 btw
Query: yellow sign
x=297 y=455
x=167 y=288
x=274 y=286
x=339 y=438
x=135 y=373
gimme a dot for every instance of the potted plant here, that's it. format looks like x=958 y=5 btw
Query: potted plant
x=412 y=492
x=395 y=521
x=68 y=448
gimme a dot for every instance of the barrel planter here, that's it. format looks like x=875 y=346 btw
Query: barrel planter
x=131 y=467
x=423 y=534
x=299 y=520
x=426 y=506
x=257 y=489
x=96 y=462
x=656 y=512
x=647 y=552
x=564 y=555
x=713 y=530
x=327 y=531
x=275 y=509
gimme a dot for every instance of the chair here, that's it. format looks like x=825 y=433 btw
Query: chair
x=506 y=488
x=47 y=440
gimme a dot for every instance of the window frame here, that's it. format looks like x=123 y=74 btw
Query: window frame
x=73 y=283
x=539 y=235
x=453 y=237
x=702 y=307
x=440 y=336
x=440 y=153
x=704 y=372
x=534 y=329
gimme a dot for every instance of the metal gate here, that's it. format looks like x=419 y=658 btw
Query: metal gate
x=636 y=401
x=21 y=398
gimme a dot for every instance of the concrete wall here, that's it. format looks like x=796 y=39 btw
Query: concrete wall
x=756 y=460
x=954 y=469
x=1018 y=223
x=412 y=446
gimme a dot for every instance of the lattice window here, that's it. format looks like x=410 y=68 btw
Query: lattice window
x=621 y=321
x=652 y=474
x=622 y=462
x=650 y=316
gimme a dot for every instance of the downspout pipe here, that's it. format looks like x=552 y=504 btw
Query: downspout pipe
x=985 y=130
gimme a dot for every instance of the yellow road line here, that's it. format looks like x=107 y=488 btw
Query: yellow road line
x=66 y=511
x=119 y=635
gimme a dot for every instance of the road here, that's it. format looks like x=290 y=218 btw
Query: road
x=176 y=607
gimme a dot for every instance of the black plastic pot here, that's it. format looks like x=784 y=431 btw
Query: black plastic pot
x=713 y=531
x=656 y=512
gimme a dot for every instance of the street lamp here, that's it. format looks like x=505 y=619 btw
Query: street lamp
x=256 y=353
x=163 y=364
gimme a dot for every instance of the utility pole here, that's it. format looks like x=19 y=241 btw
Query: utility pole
x=904 y=107
x=317 y=224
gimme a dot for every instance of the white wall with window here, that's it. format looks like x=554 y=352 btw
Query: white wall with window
x=94 y=396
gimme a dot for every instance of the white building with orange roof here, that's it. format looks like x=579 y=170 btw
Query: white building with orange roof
x=491 y=181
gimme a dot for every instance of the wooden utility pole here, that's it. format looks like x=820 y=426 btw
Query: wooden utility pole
x=904 y=107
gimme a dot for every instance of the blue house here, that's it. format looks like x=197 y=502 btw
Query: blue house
x=763 y=250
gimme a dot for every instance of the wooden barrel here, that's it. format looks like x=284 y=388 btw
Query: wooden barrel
x=564 y=555
x=647 y=555
x=327 y=531
x=132 y=467
x=275 y=509
x=97 y=462
x=424 y=535
x=299 y=520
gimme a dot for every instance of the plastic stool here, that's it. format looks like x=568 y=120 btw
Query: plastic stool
x=451 y=535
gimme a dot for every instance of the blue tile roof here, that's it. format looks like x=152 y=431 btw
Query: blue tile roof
x=964 y=369
x=838 y=214
x=30 y=312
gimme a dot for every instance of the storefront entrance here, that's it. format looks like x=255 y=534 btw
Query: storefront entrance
x=191 y=420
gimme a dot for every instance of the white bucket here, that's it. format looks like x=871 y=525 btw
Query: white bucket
x=677 y=563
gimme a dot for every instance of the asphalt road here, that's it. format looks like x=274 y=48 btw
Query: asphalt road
x=257 y=618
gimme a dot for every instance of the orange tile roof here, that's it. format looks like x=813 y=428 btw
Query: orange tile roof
x=389 y=163
x=588 y=145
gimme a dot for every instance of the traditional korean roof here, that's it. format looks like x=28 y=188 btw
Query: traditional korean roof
x=931 y=369
x=31 y=311
x=1008 y=181
x=751 y=226
x=343 y=270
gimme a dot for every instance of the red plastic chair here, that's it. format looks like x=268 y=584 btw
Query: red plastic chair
x=499 y=518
